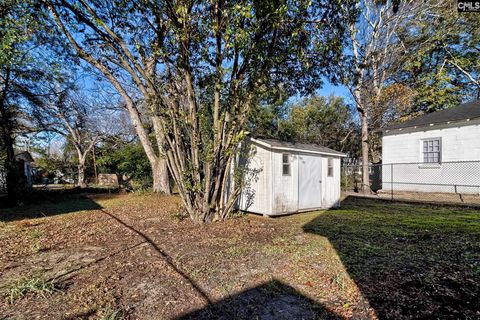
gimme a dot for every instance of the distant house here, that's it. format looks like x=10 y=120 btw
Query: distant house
x=291 y=177
x=435 y=152
x=25 y=164
x=25 y=160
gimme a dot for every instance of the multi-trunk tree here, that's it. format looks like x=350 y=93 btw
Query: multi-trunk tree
x=193 y=70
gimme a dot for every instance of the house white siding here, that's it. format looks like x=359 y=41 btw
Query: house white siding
x=459 y=144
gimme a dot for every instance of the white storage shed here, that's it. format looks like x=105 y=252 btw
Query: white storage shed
x=291 y=177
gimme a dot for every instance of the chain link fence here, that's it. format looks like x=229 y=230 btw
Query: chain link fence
x=446 y=182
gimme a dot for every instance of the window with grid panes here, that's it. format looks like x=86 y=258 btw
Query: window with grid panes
x=286 y=164
x=432 y=151
x=330 y=167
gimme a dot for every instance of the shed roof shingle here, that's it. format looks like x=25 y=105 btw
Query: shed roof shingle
x=469 y=110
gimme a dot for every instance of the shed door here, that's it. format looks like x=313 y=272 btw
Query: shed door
x=309 y=182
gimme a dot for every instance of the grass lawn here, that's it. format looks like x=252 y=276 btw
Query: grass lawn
x=134 y=257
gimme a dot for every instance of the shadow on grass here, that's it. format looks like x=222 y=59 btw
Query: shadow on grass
x=270 y=301
x=273 y=300
x=409 y=260
x=50 y=203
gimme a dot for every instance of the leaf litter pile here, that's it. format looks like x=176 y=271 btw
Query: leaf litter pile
x=137 y=257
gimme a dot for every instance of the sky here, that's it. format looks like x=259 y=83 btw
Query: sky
x=330 y=89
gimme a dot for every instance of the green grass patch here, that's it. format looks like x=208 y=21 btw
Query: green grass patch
x=33 y=285
x=405 y=255
x=398 y=250
x=399 y=232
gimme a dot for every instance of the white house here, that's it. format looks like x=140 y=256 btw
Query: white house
x=436 y=152
x=291 y=177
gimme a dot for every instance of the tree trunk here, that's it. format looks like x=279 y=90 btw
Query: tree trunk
x=363 y=113
x=365 y=152
x=81 y=175
x=10 y=169
x=15 y=189
x=94 y=165
x=161 y=182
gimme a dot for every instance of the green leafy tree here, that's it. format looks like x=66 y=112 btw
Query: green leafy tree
x=442 y=63
x=24 y=72
x=194 y=69
x=125 y=159
x=264 y=120
x=324 y=121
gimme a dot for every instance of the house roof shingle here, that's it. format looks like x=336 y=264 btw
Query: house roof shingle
x=469 y=110
x=277 y=144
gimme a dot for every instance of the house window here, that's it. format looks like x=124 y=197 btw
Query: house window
x=285 y=164
x=330 y=167
x=432 y=151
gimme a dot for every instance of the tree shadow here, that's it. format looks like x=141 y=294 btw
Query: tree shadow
x=273 y=300
x=409 y=260
x=163 y=255
x=270 y=301
x=52 y=204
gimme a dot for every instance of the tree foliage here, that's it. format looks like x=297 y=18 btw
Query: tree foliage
x=125 y=159
x=26 y=66
x=325 y=121
x=441 y=59
x=195 y=68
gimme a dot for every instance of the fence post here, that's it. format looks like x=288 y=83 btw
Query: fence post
x=391 y=180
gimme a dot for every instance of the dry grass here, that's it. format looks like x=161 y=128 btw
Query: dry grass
x=130 y=256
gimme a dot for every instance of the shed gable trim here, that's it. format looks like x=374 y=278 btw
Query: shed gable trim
x=281 y=148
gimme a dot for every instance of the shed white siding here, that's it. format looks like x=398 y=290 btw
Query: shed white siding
x=284 y=188
x=271 y=192
x=256 y=196
x=459 y=143
x=331 y=193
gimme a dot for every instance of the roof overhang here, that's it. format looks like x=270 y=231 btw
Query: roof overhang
x=265 y=144
x=431 y=126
